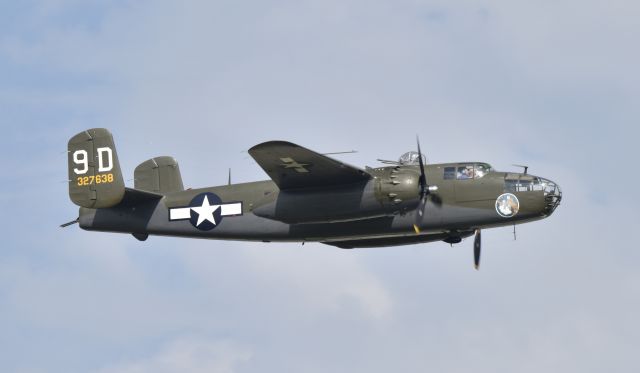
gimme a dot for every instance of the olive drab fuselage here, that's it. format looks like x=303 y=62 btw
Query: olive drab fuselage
x=310 y=197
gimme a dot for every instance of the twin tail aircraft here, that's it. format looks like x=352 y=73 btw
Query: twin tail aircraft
x=310 y=197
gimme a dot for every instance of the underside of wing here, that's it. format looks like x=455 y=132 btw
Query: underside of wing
x=392 y=241
x=291 y=166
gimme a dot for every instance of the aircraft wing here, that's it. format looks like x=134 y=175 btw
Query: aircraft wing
x=291 y=166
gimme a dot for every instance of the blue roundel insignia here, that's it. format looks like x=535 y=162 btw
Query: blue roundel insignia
x=205 y=211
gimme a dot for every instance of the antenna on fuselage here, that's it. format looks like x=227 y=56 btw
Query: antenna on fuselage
x=345 y=152
x=526 y=168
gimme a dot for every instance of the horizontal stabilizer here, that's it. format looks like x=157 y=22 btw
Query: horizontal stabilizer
x=134 y=197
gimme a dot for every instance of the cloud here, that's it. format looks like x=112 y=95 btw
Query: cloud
x=188 y=355
x=552 y=85
x=332 y=282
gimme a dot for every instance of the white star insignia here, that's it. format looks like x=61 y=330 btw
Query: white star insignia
x=205 y=212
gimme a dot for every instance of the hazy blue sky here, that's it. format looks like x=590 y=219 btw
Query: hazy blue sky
x=551 y=84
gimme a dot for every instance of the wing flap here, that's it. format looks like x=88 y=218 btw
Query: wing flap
x=292 y=166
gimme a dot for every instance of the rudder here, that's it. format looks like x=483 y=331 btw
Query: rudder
x=95 y=177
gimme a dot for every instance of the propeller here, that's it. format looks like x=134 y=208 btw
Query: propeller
x=424 y=189
x=477 y=245
x=423 y=192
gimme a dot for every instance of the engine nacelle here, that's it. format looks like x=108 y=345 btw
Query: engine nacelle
x=398 y=188
x=386 y=194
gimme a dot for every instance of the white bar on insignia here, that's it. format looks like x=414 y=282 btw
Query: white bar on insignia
x=231 y=209
x=180 y=214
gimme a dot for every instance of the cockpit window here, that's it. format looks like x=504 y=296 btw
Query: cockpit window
x=472 y=171
x=482 y=169
x=465 y=172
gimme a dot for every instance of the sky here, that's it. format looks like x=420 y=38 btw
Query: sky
x=550 y=84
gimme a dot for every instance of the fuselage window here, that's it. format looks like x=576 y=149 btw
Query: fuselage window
x=523 y=185
x=449 y=173
x=465 y=172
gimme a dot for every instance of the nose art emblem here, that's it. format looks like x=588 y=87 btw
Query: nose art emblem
x=507 y=205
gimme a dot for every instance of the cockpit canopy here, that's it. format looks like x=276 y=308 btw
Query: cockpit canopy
x=467 y=171
x=411 y=158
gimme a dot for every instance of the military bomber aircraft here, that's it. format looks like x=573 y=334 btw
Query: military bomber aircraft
x=310 y=198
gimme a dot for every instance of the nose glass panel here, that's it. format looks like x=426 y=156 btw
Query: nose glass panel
x=552 y=195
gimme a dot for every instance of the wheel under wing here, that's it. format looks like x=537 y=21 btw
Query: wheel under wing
x=292 y=166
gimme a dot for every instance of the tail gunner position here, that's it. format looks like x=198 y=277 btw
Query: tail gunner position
x=310 y=197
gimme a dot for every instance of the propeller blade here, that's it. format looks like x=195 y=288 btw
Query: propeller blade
x=419 y=214
x=423 y=176
x=477 y=243
x=423 y=192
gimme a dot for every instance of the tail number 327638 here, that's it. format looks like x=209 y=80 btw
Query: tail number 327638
x=105 y=165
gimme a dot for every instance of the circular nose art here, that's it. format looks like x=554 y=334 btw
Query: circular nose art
x=507 y=205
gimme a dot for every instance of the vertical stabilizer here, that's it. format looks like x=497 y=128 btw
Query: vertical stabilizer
x=95 y=178
x=158 y=175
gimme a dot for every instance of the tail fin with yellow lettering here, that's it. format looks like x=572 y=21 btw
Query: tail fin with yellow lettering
x=95 y=178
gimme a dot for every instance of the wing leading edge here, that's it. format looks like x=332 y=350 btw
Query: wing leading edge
x=291 y=166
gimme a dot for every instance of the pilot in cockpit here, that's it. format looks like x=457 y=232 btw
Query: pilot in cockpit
x=465 y=172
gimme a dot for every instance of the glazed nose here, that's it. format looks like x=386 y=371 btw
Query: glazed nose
x=552 y=196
